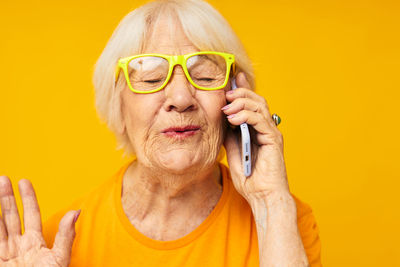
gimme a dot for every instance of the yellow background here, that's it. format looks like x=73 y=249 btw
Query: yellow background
x=330 y=69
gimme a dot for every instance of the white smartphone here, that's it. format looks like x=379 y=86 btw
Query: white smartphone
x=246 y=144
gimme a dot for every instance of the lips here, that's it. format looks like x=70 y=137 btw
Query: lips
x=181 y=131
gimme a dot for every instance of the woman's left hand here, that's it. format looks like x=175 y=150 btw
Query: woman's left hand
x=268 y=165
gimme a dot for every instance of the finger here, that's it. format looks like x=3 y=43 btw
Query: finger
x=267 y=134
x=3 y=239
x=9 y=207
x=239 y=93
x=32 y=220
x=261 y=106
x=3 y=231
x=65 y=236
x=241 y=80
x=243 y=92
x=244 y=104
x=252 y=118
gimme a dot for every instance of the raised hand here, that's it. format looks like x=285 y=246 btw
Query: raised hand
x=29 y=249
x=267 y=189
x=268 y=167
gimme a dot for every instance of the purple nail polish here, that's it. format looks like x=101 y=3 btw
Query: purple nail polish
x=77 y=216
x=231 y=116
x=229 y=92
x=226 y=107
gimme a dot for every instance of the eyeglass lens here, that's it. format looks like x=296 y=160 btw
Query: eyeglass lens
x=149 y=72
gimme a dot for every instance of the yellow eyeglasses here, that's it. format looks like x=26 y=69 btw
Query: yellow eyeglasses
x=149 y=73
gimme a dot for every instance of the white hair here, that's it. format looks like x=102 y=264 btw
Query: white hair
x=203 y=25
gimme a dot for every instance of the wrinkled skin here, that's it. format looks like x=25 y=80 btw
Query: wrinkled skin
x=29 y=249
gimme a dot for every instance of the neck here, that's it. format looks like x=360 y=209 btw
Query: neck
x=156 y=201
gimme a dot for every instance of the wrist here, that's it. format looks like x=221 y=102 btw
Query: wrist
x=272 y=198
x=275 y=204
x=279 y=199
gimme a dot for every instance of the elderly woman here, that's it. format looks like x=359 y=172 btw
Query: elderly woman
x=163 y=84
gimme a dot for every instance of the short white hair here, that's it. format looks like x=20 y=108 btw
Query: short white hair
x=203 y=25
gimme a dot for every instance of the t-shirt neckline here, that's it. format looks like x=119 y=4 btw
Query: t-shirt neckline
x=173 y=244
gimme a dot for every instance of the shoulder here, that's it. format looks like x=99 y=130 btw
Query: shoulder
x=305 y=217
x=303 y=209
x=309 y=232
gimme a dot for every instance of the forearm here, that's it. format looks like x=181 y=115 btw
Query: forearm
x=279 y=239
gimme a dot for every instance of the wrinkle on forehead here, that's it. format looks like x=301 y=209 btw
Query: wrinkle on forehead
x=167 y=37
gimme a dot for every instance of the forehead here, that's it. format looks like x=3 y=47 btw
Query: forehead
x=167 y=37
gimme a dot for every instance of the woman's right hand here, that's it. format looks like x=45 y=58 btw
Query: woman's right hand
x=29 y=249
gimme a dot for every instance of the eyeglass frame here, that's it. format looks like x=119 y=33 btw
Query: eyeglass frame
x=174 y=60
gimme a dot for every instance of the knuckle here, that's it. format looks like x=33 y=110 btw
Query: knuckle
x=264 y=101
x=279 y=137
x=261 y=108
x=243 y=113
x=246 y=92
x=7 y=205
x=241 y=102
x=4 y=182
x=265 y=104
x=239 y=91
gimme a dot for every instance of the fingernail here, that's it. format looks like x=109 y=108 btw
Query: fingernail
x=77 y=216
x=231 y=116
x=226 y=107
x=229 y=92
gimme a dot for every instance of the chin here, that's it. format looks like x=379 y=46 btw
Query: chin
x=181 y=161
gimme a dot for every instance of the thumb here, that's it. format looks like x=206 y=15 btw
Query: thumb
x=232 y=151
x=241 y=80
x=65 y=237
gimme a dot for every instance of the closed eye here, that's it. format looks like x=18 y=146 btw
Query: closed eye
x=153 y=81
x=205 y=79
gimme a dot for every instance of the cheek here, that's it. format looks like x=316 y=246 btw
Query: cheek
x=138 y=113
x=212 y=104
x=218 y=124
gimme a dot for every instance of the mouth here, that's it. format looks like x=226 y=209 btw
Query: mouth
x=182 y=131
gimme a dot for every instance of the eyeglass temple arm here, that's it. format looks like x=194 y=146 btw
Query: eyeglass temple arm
x=233 y=72
x=117 y=71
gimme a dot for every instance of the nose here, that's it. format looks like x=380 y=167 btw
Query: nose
x=179 y=93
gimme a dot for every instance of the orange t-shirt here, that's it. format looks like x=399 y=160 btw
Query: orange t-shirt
x=227 y=237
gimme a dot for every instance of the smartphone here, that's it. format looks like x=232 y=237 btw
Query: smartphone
x=246 y=144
